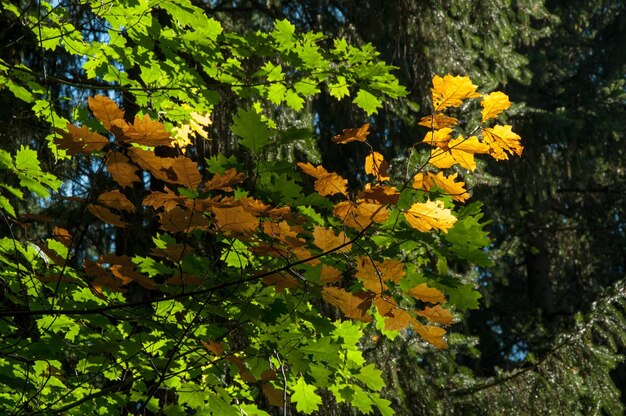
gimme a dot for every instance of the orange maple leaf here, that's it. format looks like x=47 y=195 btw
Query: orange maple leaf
x=427 y=294
x=353 y=305
x=352 y=135
x=326 y=239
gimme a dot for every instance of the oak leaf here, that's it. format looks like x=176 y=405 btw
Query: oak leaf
x=182 y=220
x=461 y=151
x=353 y=305
x=439 y=138
x=493 y=104
x=386 y=195
x=352 y=135
x=107 y=216
x=284 y=233
x=187 y=172
x=428 y=215
x=501 y=139
x=437 y=121
x=167 y=200
x=224 y=181
x=236 y=219
x=217 y=348
x=105 y=110
x=427 y=294
x=146 y=132
x=159 y=167
x=80 y=140
x=326 y=239
x=62 y=235
x=450 y=91
x=375 y=274
x=327 y=183
x=120 y=168
x=116 y=200
x=361 y=214
x=376 y=165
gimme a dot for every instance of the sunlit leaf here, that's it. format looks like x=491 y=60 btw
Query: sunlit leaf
x=451 y=91
x=428 y=215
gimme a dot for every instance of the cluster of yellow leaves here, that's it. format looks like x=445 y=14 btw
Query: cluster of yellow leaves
x=450 y=92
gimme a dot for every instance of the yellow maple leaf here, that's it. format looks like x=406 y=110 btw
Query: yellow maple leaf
x=437 y=121
x=461 y=151
x=197 y=124
x=326 y=240
x=375 y=165
x=450 y=91
x=439 y=138
x=428 y=215
x=493 y=104
x=455 y=189
x=502 y=139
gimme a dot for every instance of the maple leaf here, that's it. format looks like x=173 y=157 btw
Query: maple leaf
x=280 y=281
x=502 y=139
x=105 y=110
x=326 y=239
x=437 y=121
x=493 y=104
x=116 y=200
x=236 y=219
x=217 y=348
x=428 y=215
x=159 y=167
x=330 y=274
x=427 y=294
x=352 y=135
x=439 y=138
x=197 y=124
x=224 y=181
x=461 y=151
x=80 y=140
x=437 y=314
x=376 y=165
x=121 y=170
x=353 y=305
x=123 y=269
x=432 y=334
x=455 y=189
x=450 y=91
x=386 y=195
x=326 y=183
x=182 y=220
x=107 y=216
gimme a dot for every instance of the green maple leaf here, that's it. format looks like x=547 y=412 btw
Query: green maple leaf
x=367 y=101
x=305 y=398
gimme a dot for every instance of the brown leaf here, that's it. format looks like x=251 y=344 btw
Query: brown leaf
x=315 y=171
x=274 y=396
x=437 y=314
x=172 y=252
x=331 y=184
x=105 y=110
x=159 y=167
x=360 y=215
x=179 y=220
x=284 y=233
x=374 y=274
x=353 y=305
x=62 y=235
x=146 y=132
x=427 y=294
x=187 y=172
x=217 y=348
x=386 y=195
x=120 y=168
x=123 y=269
x=236 y=219
x=330 y=274
x=352 y=135
x=326 y=239
x=116 y=200
x=243 y=371
x=280 y=281
x=224 y=181
x=80 y=140
x=432 y=334
x=107 y=216
x=167 y=200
